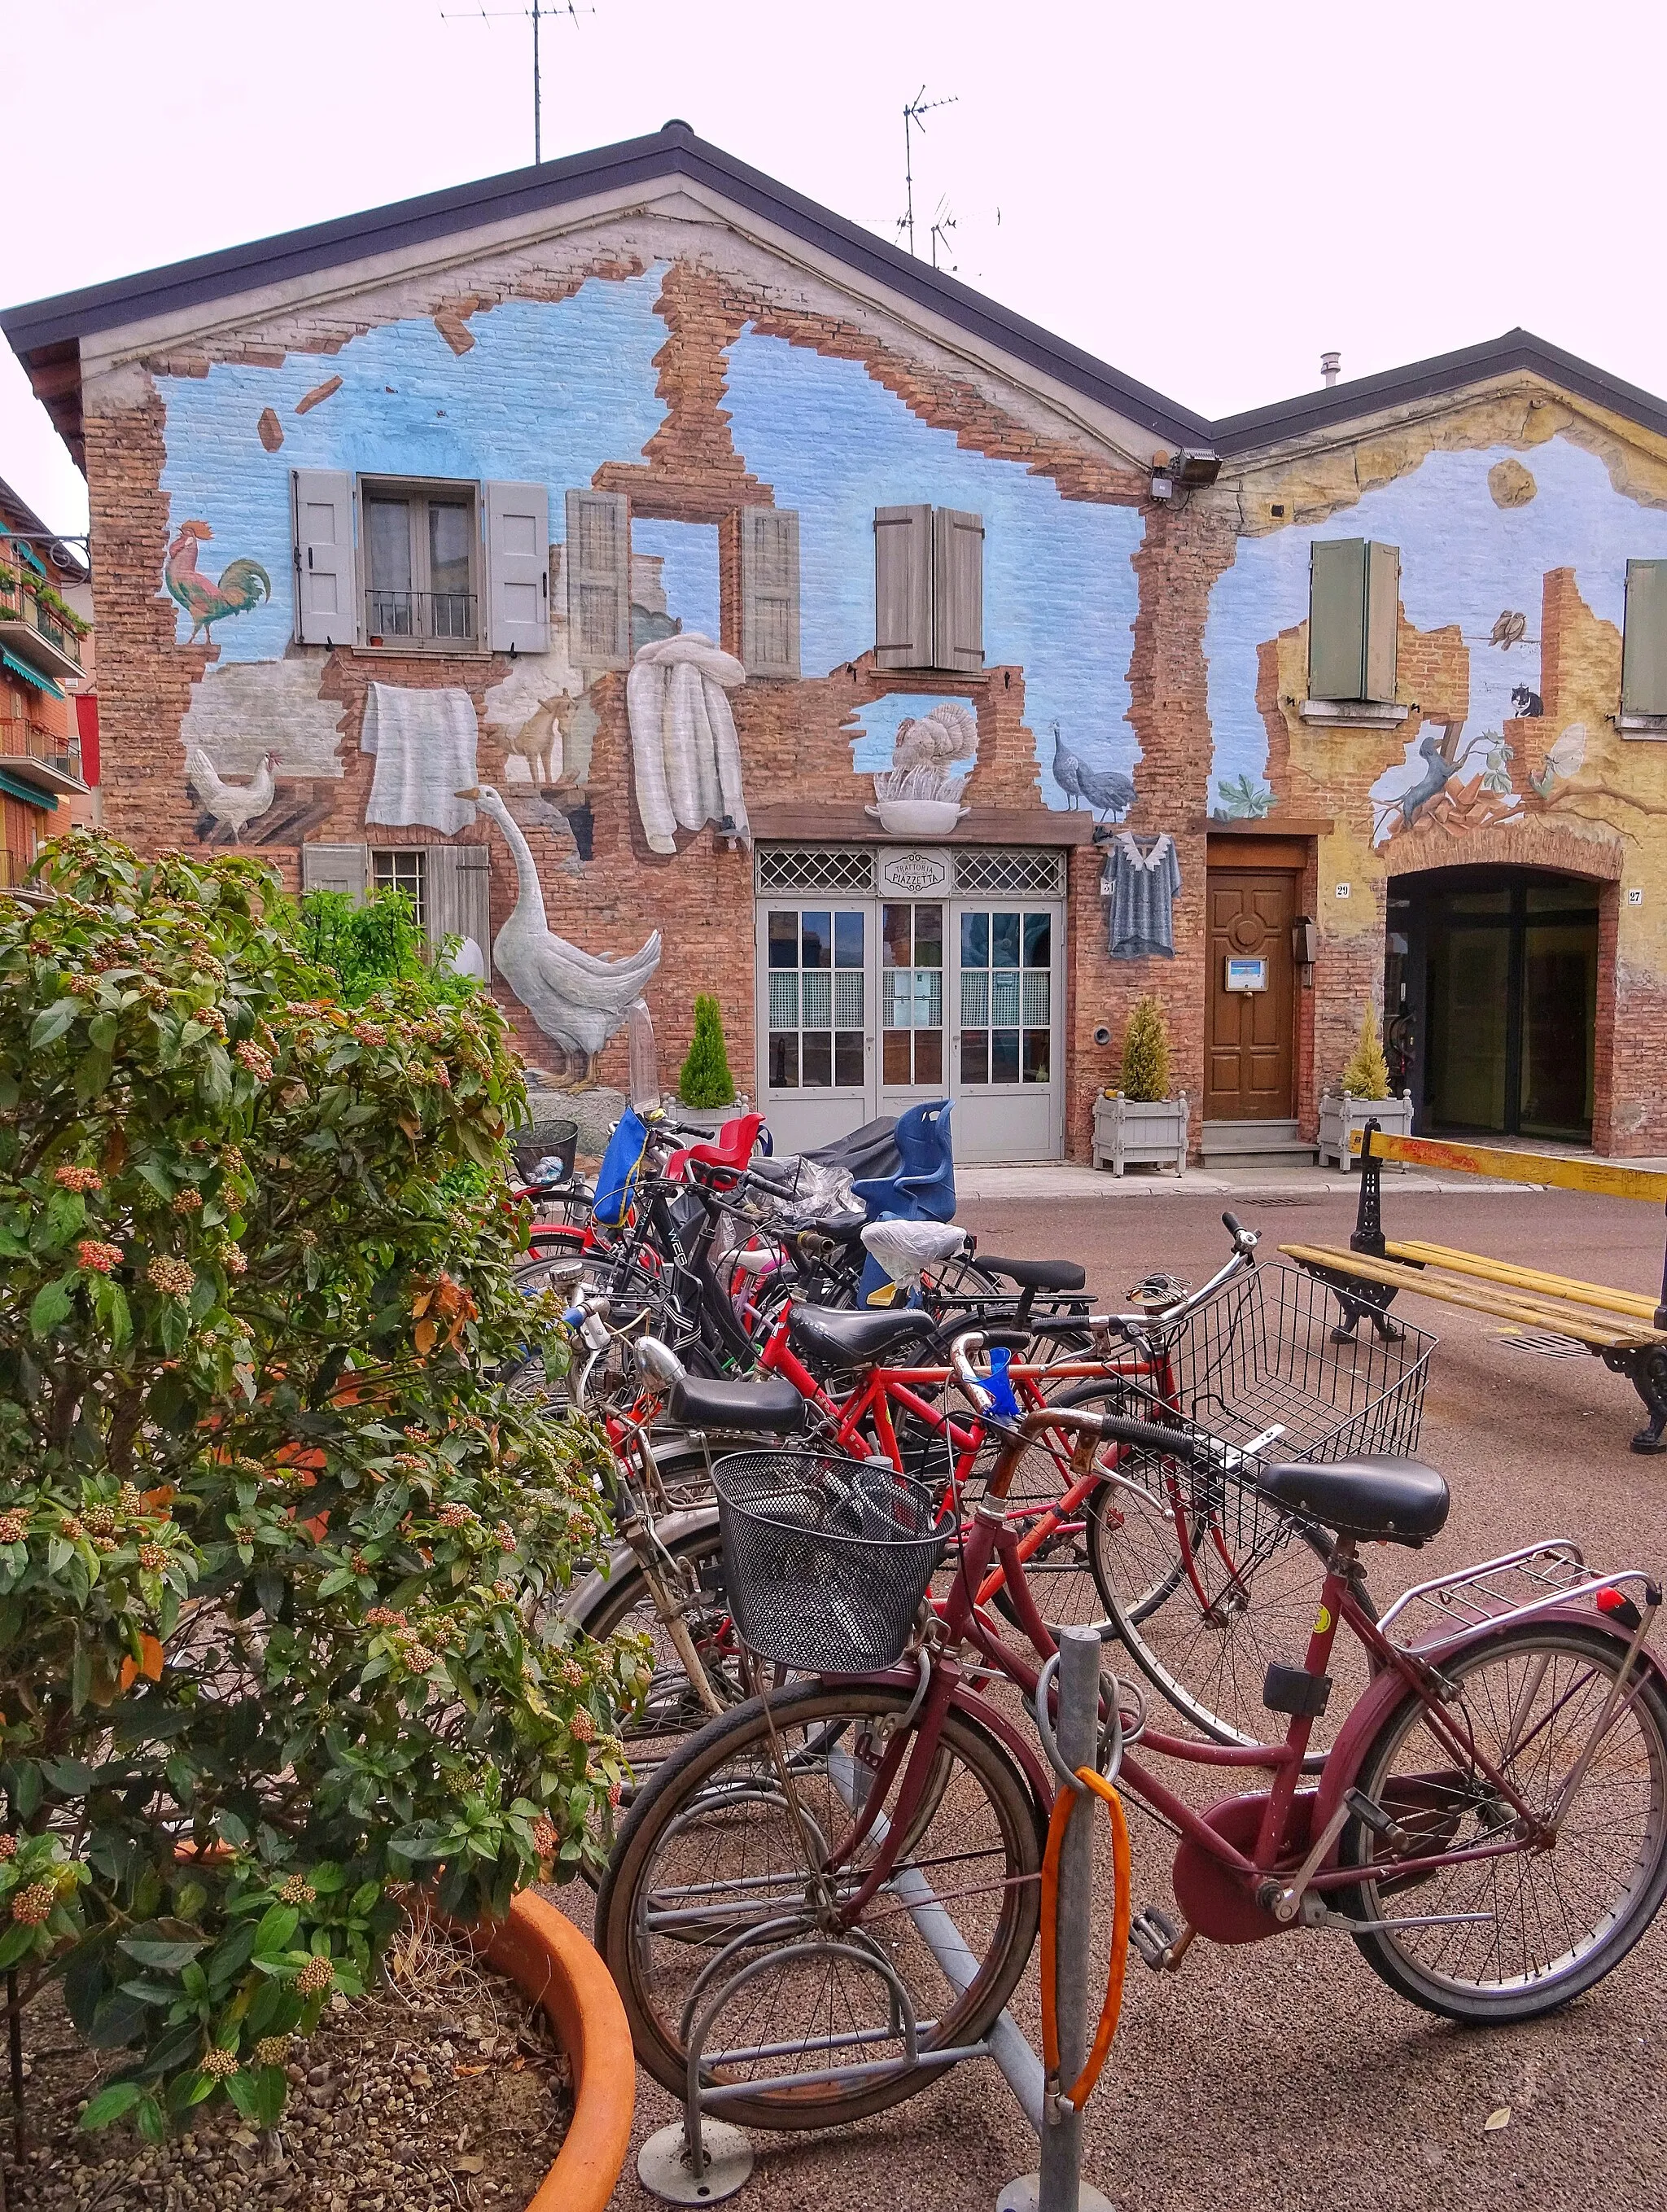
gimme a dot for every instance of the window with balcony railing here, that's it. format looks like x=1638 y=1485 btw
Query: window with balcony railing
x=420 y=558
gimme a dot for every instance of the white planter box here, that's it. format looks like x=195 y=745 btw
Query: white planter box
x=709 y=1118
x=1341 y=1112
x=1134 y=1132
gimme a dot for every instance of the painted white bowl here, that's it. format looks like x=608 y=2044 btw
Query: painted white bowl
x=917 y=817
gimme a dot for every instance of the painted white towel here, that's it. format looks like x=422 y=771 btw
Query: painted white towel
x=684 y=743
x=424 y=743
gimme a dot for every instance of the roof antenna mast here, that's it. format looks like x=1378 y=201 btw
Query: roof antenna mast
x=537 y=13
x=913 y=113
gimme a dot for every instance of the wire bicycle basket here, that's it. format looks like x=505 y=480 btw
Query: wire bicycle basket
x=826 y=1559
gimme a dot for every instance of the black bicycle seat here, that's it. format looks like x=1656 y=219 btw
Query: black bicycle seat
x=838 y=1339
x=1036 y=1274
x=1398 y=1501
x=771 y=1408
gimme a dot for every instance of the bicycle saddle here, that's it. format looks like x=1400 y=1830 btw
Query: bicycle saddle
x=771 y=1408
x=1399 y=1501
x=1036 y=1274
x=855 y=1339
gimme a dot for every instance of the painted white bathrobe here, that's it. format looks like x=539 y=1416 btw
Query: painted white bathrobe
x=684 y=743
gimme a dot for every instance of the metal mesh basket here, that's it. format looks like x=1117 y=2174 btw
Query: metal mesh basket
x=826 y=1559
x=1261 y=1364
x=543 y=1142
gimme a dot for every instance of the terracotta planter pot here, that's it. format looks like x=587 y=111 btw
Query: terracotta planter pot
x=549 y=1960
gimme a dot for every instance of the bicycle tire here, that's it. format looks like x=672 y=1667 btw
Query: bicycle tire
x=1557 y=1654
x=703 y=1779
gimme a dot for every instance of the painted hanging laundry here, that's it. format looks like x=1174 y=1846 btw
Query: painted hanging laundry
x=683 y=738
x=424 y=743
x=1141 y=881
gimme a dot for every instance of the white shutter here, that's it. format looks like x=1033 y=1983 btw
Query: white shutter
x=337 y=868
x=958 y=591
x=903 y=587
x=770 y=591
x=326 y=591
x=598 y=566
x=517 y=567
x=457 y=900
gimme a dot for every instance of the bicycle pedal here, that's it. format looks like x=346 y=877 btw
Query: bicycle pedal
x=1153 y=1934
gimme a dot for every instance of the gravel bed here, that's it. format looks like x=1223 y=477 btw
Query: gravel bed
x=443 y=2090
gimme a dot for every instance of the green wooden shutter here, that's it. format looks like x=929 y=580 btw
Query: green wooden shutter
x=1336 y=618
x=1383 y=619
x=1643 y=648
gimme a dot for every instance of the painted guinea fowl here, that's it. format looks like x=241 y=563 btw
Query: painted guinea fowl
x=241 y=586
x=1107 y=790
x=578 y=999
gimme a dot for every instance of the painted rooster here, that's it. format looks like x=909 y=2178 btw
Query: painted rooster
x=243 y=584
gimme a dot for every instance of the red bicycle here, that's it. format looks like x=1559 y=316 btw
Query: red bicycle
x=827 y=1895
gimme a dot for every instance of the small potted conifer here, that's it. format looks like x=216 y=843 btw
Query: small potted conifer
x=1363 y=1095
x=1139 y=1123
x=706 y=1090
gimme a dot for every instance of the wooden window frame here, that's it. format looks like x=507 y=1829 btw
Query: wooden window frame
x=387 y=864
x=420 y=493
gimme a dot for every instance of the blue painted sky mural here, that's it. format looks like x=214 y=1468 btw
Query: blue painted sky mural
x=550 y=390
x=1059 y=592
x=1464 y=559
x=687 y=553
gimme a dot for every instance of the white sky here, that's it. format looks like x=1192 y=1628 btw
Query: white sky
x=1204 y=193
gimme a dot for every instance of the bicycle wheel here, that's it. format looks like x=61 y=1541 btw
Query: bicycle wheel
x=1245 y=1596
x=1557 y=1919
x=714 y=1858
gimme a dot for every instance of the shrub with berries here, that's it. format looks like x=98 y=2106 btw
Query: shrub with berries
x=261 y=1496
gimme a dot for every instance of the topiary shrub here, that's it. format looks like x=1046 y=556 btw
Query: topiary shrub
x=269 y=1536
x=706 y=1080
x=1146 y=1052
x=1367 y=1075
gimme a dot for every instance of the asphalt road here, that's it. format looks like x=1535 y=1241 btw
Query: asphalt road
x=1284 y=2075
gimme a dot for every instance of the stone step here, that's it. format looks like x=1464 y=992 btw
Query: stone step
x=1254 y=1144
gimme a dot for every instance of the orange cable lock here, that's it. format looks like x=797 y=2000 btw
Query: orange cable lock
x=1065 y=1804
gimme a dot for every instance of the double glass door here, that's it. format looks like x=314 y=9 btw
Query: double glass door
x=870 y=1006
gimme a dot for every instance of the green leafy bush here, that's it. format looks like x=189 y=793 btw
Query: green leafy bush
x=1146 y=1052
x=270 y=1538
x=1367 y=1075
x=706 y=1080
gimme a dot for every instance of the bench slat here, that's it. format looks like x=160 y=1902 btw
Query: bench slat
x=1422 y=1284
x=1633 y=1303
x=1562 y=1172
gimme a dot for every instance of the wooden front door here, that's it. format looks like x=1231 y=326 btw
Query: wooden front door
x=1249 y=1049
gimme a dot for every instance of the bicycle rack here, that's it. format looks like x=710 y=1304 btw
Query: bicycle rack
x=700 y=2160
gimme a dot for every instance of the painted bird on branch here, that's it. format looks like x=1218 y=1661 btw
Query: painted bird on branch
x=242 y=584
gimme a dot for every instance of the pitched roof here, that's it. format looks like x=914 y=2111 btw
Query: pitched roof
x=45 y=334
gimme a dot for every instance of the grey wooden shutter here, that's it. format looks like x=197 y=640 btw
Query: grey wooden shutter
x=903 y=587
x=1644 y=641
x=457 y=897
x=337 y=868
x=1383 y=619
x=327 y=593
x=770 y=591
x=957 y=591
x=598 y=565
x=1336 y=618
x=517 y=567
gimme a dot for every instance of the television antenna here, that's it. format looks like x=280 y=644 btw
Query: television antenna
x=942 y=223
x=540 y=12
x=913 y=119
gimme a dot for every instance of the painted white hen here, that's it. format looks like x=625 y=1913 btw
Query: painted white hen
x=233 y=805
x=578 y=999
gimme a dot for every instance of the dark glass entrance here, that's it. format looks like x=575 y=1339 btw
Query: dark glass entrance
x=1491 y=993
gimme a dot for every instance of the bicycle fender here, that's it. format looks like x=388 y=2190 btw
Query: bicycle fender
x=1386 y=1690
x=673 y=1529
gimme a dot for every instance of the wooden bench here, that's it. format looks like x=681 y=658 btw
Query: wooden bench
x=1625 y=1329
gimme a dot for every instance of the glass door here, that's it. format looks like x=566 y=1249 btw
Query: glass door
x=813 y=985
x=1007 y=997
x=911 y=1003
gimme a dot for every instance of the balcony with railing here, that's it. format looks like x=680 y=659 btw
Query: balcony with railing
x=33 y=629
x=42 y=757
x=430 y=621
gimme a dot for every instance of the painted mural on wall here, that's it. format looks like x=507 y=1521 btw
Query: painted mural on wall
x=241 y=586
x=919 y=793
x=1512 y=576
x=686 y=756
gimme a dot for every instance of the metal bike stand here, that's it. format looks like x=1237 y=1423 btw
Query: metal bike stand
x=1058 y=2185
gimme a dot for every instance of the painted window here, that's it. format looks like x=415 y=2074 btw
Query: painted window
x=402 y=870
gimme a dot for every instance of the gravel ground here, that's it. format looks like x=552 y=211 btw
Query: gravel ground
x=1285 y=2075
x=441 y=2093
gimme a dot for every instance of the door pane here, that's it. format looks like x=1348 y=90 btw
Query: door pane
x=816 y=1058
x=912 y=994
x=1003 y=1055
x=975 y=940
x=975 y=1055
x=1469 y=977
x=1038 y=940
x=810 y=998
x=847 y=940
x=848 y=1058
x=928 y=937
x=784 y=1060
x=1559 y=1027
x=1003 y=940
x=785 y=938
x=818 y=945
x=1036 y=1056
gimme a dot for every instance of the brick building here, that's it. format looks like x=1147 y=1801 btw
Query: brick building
x=632 y=558
x=48 y=706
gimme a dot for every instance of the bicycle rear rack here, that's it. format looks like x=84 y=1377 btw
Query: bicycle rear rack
x=1513 y=1587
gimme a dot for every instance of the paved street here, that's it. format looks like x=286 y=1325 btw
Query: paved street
x=1286 y=2075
